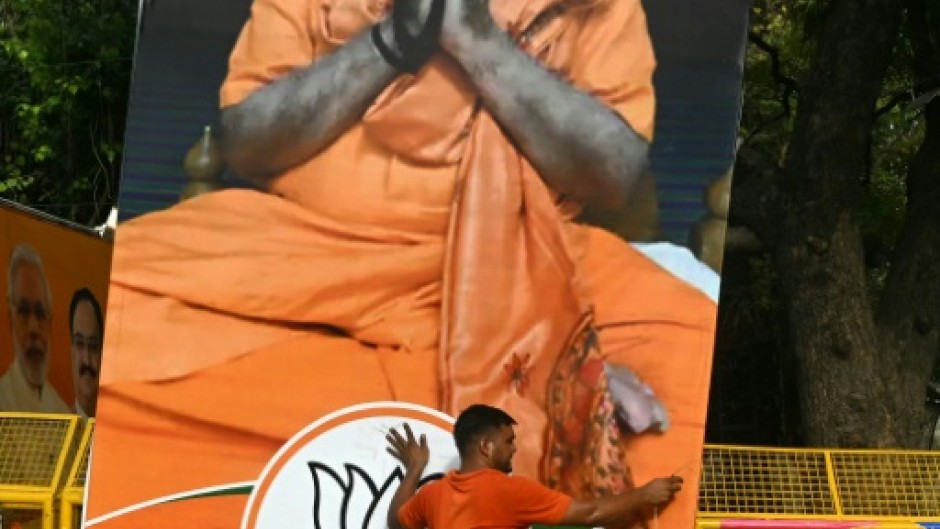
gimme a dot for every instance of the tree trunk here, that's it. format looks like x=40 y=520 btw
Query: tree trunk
x=909 y=314
x=819 y=253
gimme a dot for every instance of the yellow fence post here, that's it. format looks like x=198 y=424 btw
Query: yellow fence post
x=833 y=485
x=73 y=493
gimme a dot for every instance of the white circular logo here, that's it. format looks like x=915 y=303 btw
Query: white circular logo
x=337 y=474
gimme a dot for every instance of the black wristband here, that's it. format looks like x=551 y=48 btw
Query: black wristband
x=387 y=54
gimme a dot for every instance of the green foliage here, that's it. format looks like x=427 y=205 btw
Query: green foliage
x=789 y=32
x=62 y=111
x=793 y=29
x=790 y=25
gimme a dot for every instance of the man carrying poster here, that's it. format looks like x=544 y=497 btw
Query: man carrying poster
x=417 y=244
x=24 y=386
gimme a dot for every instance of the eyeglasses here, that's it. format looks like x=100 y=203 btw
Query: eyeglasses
x=92 y=345
x=24 y=310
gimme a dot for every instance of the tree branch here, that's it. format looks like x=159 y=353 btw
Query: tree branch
x=895 y=100
x=774 y=55
x=766 y=123
x=789 y=84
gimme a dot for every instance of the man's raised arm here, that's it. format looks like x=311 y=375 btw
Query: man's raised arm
x=414 y=457
x=579 y=146
x=616 y=510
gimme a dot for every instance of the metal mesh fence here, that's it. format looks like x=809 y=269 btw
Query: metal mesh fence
x=738 y=481
x=741 y=480
x=888 y=483
x=31 y=448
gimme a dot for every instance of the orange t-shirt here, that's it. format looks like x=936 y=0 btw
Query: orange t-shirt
x=485 y=498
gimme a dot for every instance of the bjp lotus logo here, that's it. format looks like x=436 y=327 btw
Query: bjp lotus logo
x=358 y=488
x=336 y=474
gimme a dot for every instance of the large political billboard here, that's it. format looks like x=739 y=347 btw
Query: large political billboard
x=498 y=219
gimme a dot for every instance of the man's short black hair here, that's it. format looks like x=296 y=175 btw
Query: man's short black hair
x=79 y=296
x=476 y=421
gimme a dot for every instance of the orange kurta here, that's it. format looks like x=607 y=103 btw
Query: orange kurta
x=418 y=258
x=485 y=498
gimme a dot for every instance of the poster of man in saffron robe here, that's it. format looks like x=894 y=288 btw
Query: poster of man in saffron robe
x=497 y=220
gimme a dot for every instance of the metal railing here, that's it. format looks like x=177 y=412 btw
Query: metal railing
x=37 y=451
x=887 y=488
x=44 y=461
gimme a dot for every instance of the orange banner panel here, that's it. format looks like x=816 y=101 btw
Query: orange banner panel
x=71 y=260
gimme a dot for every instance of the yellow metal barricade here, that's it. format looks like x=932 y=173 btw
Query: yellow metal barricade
x=35 y=450
x=888 y=483
x=44 y=462
x=893 y=488
x=72 y=496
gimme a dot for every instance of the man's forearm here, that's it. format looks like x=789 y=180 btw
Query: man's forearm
x=294 y=118
x=608 y=510
x=613 y=510
x=406 y=489
x=579 y=146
